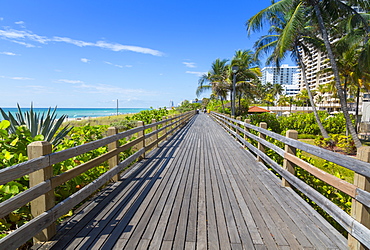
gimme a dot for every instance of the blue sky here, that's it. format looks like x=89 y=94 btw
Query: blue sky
x=90 y=53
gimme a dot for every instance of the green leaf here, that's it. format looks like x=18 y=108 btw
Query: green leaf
x=14 y=189
x=4 y=124
x=8 y=155
x=14 y=142
x=39 y=138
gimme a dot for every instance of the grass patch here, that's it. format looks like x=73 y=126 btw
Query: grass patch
x=94 y=121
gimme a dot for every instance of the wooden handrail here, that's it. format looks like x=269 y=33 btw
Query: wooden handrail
x=47 y=218
x=354 y=164
x=358 y=232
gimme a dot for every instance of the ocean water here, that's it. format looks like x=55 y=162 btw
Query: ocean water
x=80 y=112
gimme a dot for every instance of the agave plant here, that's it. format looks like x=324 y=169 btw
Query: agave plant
x=39 y=124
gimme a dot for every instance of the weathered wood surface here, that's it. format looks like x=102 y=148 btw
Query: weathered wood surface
x=199 y=190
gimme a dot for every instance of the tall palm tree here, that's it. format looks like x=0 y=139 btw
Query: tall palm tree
x=217 y=80
x=248 y=72
x=336 y=9
x=289 y=32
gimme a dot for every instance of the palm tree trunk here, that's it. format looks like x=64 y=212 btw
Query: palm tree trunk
x=222 y=103
x=317 y=117
x=343 y=101
x=240 y=106
x=357 y=105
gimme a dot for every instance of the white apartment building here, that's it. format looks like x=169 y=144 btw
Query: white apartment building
x=287 y=76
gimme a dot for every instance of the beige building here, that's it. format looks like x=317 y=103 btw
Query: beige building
x=315 y=63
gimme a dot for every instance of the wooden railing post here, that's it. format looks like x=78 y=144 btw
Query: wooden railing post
x=231 y=122
x=46 y=201
x=155 y=128
x=246 y=129
x=262 y=136
x=165 y=124
x=111 y=146
x=140 y=134
x=358 y=211
x=288 y=149
x=236 y=124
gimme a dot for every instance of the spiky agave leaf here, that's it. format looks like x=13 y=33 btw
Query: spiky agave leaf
x=44 y=124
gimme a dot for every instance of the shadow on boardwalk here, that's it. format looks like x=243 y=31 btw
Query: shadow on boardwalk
x=199 y=190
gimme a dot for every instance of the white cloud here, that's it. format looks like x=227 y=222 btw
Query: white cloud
x=28 y=45
x=19 y=22
x=189 y=64
x=117 y=65
x=20 y=36
x=1 y=18
x=85 y=60
x=196 y=73
x=8 y=53
x=17 y=78
x=70 y=81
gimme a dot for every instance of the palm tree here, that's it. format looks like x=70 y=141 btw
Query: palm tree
x=336 y=9
x=276 y=89
x=283 y=100
x=288 y=32
x=248 y=72
x=217 y=80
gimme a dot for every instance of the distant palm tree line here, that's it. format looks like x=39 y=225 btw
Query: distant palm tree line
x=297 y=27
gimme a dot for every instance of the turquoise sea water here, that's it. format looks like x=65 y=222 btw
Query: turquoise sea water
x=80 y=112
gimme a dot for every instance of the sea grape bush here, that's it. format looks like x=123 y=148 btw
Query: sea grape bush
x=147 y=115
x=343 y=142
x=336 y=196
x=305 y=123
x=14 y=150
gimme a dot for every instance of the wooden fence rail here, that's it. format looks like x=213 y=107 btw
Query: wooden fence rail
x=42 y=226
x=356 y=225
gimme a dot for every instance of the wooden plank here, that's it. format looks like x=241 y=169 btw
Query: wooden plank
x=222 y=229
x=251 y=198
x=180 y=236
x=144 y=214
x=11 y=173
x=191 y=231
x=66 y=154
x=310 y=236
x=202 y=210
x=303 y=223
x=23 y=198
x=233 y=192
x=173 y=220
x=338 y=183
x=276 y=185
x=207 y=161
x=158 y=235
x=127 y=215
x=162 y=196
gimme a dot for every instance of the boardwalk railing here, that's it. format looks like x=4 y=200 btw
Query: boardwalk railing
x=42 y=182
x=356 y=225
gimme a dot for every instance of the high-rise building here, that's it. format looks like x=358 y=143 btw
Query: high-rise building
x=286 y=76
x=315 y=63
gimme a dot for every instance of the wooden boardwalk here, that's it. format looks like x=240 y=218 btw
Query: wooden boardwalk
x=199 y=190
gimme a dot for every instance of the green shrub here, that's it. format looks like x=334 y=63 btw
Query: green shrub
x=270 y=118
x=124 y=124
